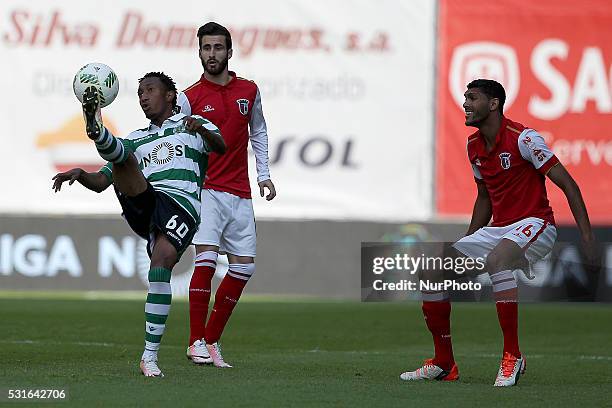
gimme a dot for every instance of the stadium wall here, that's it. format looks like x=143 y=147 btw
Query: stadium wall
x=363 y=112
x=337 y=95
x=307 y=258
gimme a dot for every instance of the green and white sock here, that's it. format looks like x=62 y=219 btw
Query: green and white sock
x=110 y=148
x=157 y=308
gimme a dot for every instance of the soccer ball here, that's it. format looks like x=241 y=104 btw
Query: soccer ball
x=102 y=77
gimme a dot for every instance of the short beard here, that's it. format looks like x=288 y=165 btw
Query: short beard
x=221 y=65
x=476 y=122
x=473 y=123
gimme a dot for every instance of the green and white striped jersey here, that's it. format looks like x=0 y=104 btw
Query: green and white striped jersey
x=172 y=159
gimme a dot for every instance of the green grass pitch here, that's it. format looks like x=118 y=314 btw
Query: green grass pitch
x=303 y=353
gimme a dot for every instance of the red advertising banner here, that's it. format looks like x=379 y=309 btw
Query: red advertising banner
x=554 y=59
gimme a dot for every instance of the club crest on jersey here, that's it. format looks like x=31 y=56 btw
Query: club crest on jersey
x=505 y=160
x=243 y=106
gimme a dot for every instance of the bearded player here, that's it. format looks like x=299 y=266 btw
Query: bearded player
x=510 y=163
x=228 y=222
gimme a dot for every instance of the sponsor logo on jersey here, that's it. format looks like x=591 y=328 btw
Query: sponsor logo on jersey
x=491 y=60
x=243 y=106
x=162 y=153
x=208 y=108
x=505 y=160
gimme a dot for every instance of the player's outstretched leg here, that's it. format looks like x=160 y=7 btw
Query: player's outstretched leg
x=226 y=298
x=109 y=147
x=157 y=309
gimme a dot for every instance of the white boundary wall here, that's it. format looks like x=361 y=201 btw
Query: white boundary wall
x=347 y=91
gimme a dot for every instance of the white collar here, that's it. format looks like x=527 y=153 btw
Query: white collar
x=174 y=118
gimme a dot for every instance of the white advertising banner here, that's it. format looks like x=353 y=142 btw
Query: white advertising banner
x=347 y=91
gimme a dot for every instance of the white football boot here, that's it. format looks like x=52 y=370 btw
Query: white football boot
x=198 y=353
x=430 y=371
x=149 y=368
x=510 y=370
x=214 y=350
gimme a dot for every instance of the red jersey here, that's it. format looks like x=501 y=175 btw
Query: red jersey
x=233 y=108
x=513 y=172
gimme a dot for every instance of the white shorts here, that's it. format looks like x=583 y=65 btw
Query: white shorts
x=534 y=235
x=227 y=221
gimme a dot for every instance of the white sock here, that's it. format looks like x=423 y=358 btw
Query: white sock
x=149 y=355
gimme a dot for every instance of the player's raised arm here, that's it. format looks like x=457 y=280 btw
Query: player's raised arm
x=208 y=131
x=97 y=182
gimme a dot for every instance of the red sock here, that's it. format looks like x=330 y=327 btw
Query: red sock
x=437 y=317
x=225 y=300
x=199 y=296
x=507 y=313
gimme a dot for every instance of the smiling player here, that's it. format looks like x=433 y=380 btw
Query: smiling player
x=510 y=163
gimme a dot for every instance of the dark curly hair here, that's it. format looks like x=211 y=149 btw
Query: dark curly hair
x=166 y=80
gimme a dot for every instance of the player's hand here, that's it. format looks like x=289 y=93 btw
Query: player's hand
x=71 y=176
x=272 y=191
x=191 y=124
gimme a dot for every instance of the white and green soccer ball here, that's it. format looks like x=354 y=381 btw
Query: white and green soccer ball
x=102 y=77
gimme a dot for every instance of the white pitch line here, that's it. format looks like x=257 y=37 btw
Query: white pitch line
x=477 y=355
x=75 y=343
x=607 y=358
x=317 y=350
